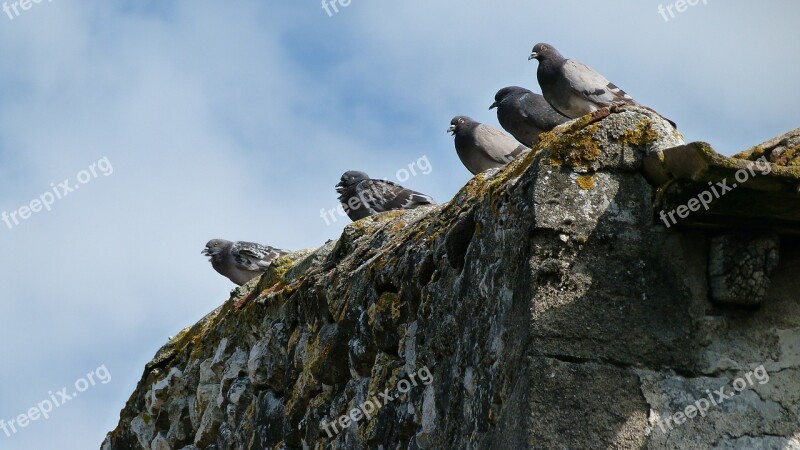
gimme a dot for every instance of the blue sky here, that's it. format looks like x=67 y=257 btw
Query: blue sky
x=235 y=120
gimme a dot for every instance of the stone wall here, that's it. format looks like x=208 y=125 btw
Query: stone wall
x=546 y=302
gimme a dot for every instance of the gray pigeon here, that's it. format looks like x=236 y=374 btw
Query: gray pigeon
x=482 y=147
x=240 y=261
x=524 y=114
x=362 y=196
x=573 y=88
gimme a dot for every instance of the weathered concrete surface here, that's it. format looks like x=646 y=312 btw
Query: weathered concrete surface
x=755 y=190
x=550 y=305
x=782 y=150
x=740 y=267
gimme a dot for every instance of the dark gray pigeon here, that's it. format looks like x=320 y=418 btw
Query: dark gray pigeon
x=240 y=261
x=482 y=147
x=362 y=196
x=573 y=88
x=525 y=114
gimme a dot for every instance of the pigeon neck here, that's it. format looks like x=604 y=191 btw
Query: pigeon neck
x=548 y=68
x=217 y=263
x=465 y=137
x=347 y=192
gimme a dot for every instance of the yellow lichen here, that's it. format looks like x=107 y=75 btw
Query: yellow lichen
x=397 y=226
x=575 y=150
x=642 y=134
x=586 y=182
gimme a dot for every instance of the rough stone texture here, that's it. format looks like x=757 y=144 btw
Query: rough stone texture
x=739 y=267
x=783 y=150
x=725 y=193
x=551 y=307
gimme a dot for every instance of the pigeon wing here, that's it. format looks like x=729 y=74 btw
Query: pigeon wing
x=539 y=113
x=254 y=257
x=498 y=146
x=593 y=86
x=381 y=195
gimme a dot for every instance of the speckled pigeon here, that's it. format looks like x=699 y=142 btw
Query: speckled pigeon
x=573 y=88
x=525 y=114
x=481 y=147
x=362 y=196
x=240 y=261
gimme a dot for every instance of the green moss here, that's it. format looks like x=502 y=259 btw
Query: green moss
x=513 y=170
x=300 y=395
x=276 y=273
x=750 y=154
x=384 y=375
x=389 y=305
x=202 y=338
x=792 y=171
x=317 y=354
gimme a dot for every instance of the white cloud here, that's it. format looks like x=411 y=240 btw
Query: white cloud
x=236 y=122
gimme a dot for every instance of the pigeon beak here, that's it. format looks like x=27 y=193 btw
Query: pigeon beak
x=494 y=105
x=452 y=129
x=534 y=55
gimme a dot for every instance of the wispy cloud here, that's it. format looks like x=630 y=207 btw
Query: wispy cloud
x=229 y=121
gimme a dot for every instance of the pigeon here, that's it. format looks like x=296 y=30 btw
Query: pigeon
x=573 y=88
x=240 y=261
x=362 y=196
x=524 y=114
x=481 y=147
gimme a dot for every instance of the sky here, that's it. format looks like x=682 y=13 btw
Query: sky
x=132 y=132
